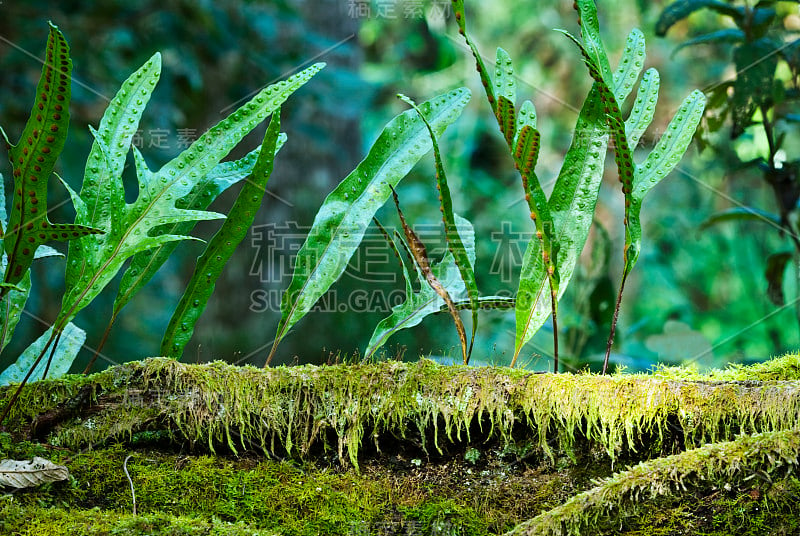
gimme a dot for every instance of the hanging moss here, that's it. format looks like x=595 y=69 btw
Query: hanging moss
x=765 y=456
x=468 y=451
x=289 y=410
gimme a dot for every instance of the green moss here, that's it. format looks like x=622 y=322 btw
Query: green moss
x=762 y=457
x=37 y=521
x=280 y=496
x=292 y=410
x=763 y=508
x=783 y=368
x=539 y=440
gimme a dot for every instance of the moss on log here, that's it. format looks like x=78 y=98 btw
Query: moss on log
x=527 y=432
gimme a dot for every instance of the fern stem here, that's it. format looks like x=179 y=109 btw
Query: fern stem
x=55 y=338
x=100 y=346
x=554 y=296
x=610 y=342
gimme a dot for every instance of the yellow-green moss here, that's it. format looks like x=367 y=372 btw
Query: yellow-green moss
x=292 y=409
x=763 y=456
x=37 y=521
x=783 y=368
x=294 y=412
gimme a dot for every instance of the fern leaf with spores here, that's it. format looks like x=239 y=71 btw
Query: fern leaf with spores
x=17 y=295
x=525 y=155
x=526 y=117
x=631 y=63
x=96 y=261
x=593 y=43
x=623 y=155
x=426 y=301
x=345 y=214
x=571 y=205
x=145 y=264
x=505 y=82
x=221 y=247
x=574 y=195
x=523 y=142
x=644 y=107
x=102 y=191
x=33 y=160
x=659 y=163
x=454 y=242
x=506 y=119
x=636 y=180
x=505 y=89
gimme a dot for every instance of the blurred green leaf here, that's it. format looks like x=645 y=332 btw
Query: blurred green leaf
x=755 y=63
x=741 y=214
x=728 y=35
x=776 y=268
x=681 y=9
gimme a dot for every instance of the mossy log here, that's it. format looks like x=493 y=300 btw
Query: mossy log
x=748 y=415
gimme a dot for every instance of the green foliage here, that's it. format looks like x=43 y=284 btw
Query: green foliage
x=33 y=160
x=758 y=102
x=636 y=180
x=554 y=256
x=91 y=264
x=221 y=247
x=427 y=301
x=347 y=211
x=562 y=222
x=455 y=245
x=108 y=231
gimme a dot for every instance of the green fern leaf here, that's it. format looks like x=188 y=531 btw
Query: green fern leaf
x=345 y=214
x=221 y=247
x=93 y=261
x=452 y=236
x=426 y=301
x=33 y=160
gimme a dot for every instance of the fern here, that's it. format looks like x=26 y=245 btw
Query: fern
x=107 y=230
